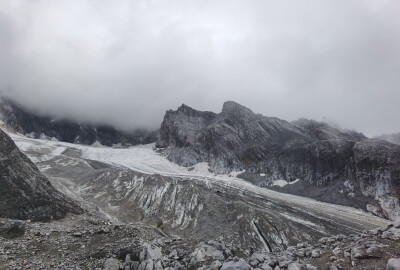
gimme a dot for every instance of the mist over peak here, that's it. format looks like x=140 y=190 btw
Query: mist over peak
x=125 y=63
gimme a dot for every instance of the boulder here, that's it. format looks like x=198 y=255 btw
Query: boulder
x=112 y=264
x=393 y=264
x=293 y=266
x=239 y=265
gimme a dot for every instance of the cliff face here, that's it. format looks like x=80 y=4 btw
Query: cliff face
x=17 y=119
x=24 y=192
x=361 y=172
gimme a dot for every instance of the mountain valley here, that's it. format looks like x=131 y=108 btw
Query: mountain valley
x=234 y=190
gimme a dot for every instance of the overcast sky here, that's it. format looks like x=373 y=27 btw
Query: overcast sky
x=126 y=62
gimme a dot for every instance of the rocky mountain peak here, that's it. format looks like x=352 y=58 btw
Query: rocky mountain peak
x=235 y=109
x=185 y=109
x=189 y=111
x=324 y=157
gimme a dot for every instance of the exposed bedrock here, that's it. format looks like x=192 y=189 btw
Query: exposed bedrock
x=361 y=172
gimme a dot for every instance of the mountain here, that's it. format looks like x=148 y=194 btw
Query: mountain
x=333 y=165
x=24 y=192
x=145 y=212
x=17 y=119
x=393 y=138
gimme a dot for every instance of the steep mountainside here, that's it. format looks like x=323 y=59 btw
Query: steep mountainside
x=17 y=119
x=338 y=166
x=24 y=192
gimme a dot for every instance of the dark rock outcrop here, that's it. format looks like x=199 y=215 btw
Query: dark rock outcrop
x=364 y=172
x=24 y=192
x=18 y=119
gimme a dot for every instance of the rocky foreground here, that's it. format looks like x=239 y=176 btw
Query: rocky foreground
x=86 y=242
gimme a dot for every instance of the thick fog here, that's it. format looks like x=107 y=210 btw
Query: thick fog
x=126 y=62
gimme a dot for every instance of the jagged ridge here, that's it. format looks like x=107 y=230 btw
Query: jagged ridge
x=359 y=171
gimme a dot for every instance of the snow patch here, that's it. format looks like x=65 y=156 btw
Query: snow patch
x=96 y=144
x=283 y=183
x=304 y=222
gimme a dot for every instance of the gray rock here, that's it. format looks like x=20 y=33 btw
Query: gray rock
x=259 y=256
x=315 y=253
x=127 y=258
x=300 y=253
x=149 y=265
x=146 y=265
x=265 y=266
x=310 y=267
x=284 y=262
x=393 y=264
x=367 y=249
x=215 y=265
x=173 y=254
x=336 y=251
x=302 y=245
x=177 y=265
x=396 y=224
x=293 y=266
x=392 y=233
x=112 y=264
x=206 y=251
x=254 y=262
x=149 y=252
x=158 y=266
x=239 y=265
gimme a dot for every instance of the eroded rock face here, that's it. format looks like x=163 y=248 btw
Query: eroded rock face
x=24 y=192
x=338 y=166
x=18 y=119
